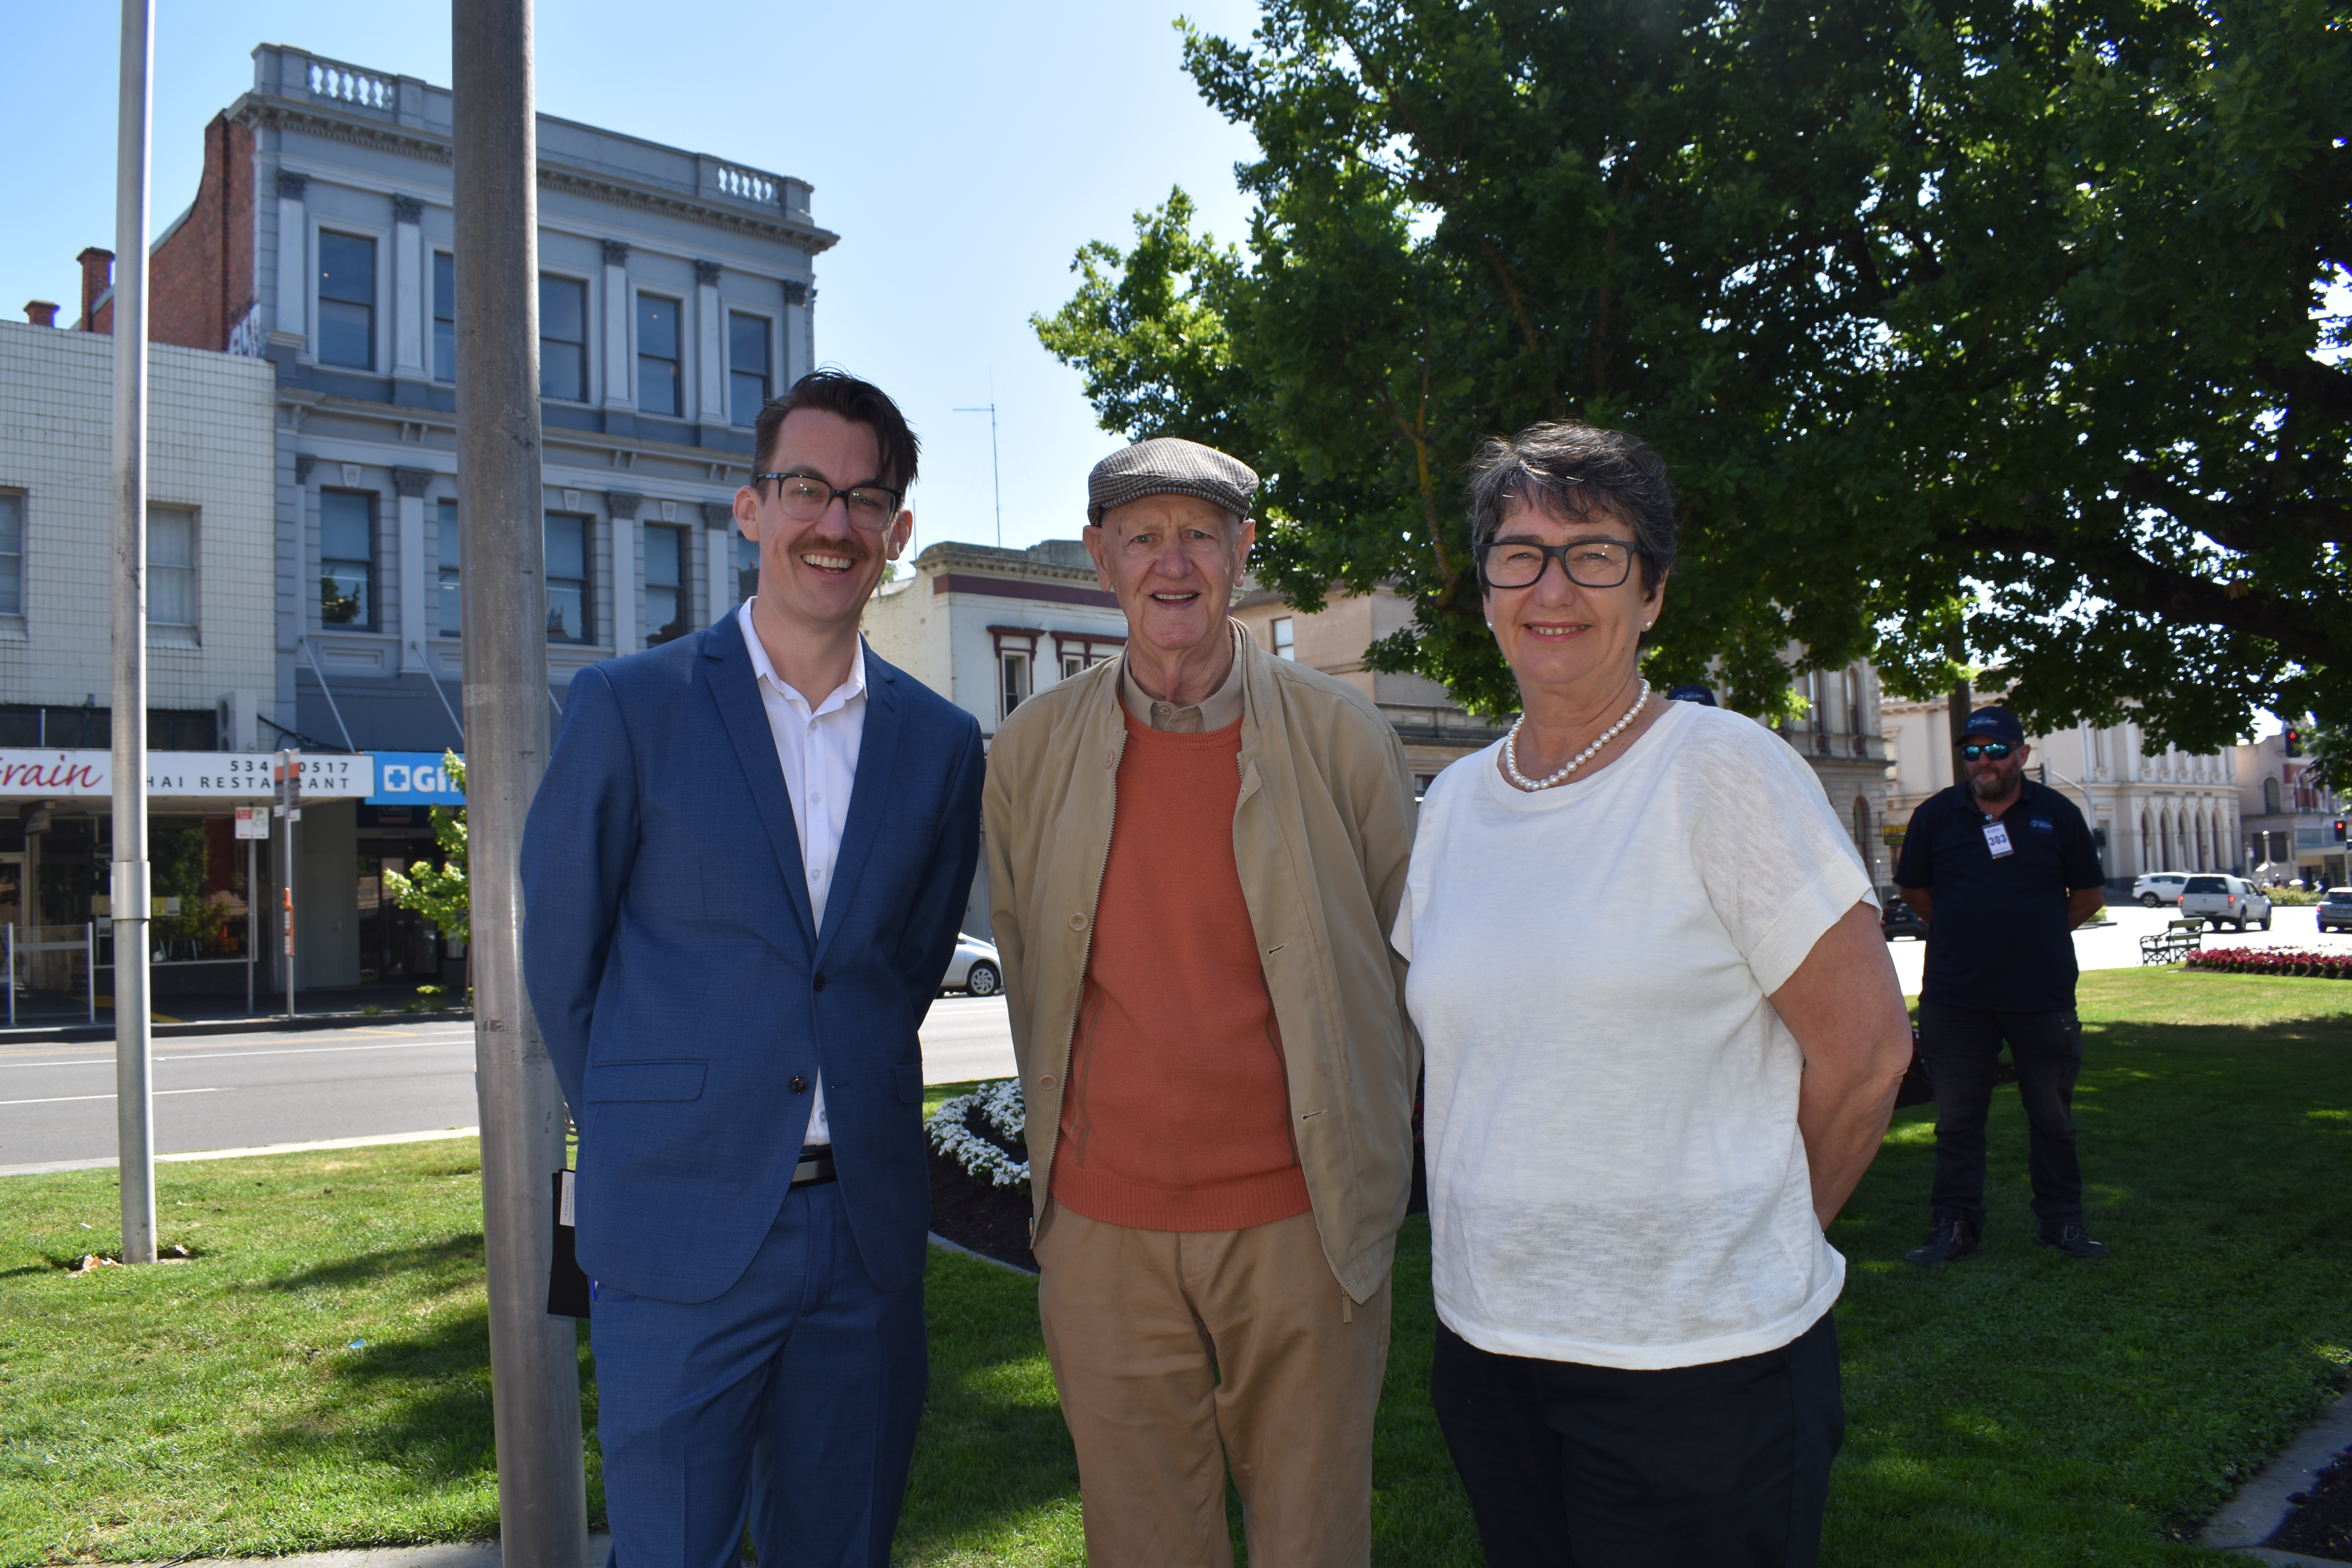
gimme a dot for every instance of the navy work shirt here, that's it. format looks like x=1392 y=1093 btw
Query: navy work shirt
x=2000 y=939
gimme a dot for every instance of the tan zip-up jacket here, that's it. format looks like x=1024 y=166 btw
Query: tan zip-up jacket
x=1321 y=835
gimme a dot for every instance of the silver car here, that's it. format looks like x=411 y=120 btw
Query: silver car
x=975 y=968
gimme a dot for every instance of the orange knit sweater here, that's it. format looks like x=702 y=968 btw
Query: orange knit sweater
x=1177 y=1111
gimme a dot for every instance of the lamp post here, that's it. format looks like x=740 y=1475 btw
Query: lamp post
x=128 y=887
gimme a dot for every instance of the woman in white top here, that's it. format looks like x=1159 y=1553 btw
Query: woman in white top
x=1663 y=1039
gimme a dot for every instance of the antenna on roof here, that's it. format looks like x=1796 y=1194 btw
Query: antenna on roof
x=995 y=468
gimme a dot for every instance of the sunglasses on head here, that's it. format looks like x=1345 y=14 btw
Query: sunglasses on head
x=1995 y=750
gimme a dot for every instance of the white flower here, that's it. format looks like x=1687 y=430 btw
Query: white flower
x=1000 y=1105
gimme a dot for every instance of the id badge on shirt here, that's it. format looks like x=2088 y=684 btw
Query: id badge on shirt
x=1996 y=839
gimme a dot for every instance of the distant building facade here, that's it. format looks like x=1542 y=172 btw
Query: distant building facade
x=211 y=631
x=2166 y=810
x=305 y=554
x=2289 y=821
x=676 y=295
x=1436 y=732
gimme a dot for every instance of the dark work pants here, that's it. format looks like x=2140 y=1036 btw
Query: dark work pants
x=1720 y=1466
x=1962 y=1045
x=789 y=1402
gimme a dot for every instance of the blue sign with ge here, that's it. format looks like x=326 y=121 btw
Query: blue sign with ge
x=412 y=778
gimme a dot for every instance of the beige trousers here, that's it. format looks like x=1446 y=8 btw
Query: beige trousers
x=1178 y=1353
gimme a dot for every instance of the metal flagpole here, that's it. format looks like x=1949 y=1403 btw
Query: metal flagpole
x=534 y=1358
x=134 y=1110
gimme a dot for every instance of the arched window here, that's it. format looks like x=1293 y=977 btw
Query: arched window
x=2147 y=845
x=1862 y=827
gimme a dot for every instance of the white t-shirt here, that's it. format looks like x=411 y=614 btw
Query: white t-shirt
x=1616 y=1175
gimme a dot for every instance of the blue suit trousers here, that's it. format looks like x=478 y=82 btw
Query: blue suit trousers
x=789 y=1402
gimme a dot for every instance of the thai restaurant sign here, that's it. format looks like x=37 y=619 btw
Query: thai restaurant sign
x=181 y=775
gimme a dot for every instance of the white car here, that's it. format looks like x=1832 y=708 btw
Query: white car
x=975 y=968
x=2221 y=899
x=2159 y=887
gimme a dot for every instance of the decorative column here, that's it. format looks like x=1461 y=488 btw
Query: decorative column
x=629 y=577
x=799 y=314
x=293 y=261
x=410 y=301
x=719 y=533
x=620 y=386
x=411 y=483
x=711 y=345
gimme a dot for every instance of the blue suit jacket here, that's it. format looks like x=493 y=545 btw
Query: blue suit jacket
x=682 y=987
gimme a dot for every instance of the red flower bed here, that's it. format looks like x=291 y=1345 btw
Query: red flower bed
x=2274 y=961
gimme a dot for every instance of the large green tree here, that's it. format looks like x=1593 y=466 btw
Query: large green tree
x=1976 y=334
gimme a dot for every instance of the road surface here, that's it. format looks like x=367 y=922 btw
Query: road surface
x=249 y=1091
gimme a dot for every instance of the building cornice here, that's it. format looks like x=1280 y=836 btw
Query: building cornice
x=429 y=146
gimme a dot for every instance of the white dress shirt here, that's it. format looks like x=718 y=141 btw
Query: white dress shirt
x=818 y=748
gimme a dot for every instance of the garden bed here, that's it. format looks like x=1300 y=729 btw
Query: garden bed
x=2274 y=961
x=979 y=1173
x=2321 y=1524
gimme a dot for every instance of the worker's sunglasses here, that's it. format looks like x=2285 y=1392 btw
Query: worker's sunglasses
x=1995 y=750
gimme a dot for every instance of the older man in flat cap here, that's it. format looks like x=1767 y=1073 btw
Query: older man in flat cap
x=1195 y=852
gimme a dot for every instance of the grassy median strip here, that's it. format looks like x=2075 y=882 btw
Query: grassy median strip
x=317 y=1375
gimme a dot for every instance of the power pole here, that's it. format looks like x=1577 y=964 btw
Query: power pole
x=534 y=1358
x=127 y=891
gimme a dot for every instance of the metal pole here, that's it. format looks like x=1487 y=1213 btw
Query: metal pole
x=134 y=1110
x=285 y=905
x=995 y=468
x=534 y=1358
x=12 y=974
x=252 y=916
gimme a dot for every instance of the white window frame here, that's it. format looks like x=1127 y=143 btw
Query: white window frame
x=1283 y=633
x=189 y=631
x=12 y=621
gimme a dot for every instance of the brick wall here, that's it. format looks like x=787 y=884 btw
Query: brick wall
x=201 y=280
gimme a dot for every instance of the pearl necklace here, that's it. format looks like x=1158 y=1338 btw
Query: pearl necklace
x=1511 y=747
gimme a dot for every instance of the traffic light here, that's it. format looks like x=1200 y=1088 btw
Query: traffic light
x=2293 y=741
x=2339 y=830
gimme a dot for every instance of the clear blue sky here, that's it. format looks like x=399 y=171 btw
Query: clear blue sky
x=962 y=152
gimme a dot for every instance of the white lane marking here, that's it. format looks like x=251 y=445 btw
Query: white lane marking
x=367 y=1142
x=228 y=1056
x=62 y=1098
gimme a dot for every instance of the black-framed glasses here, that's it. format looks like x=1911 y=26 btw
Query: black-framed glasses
x=1589 y=562
x=1995 y=750
x=805 y=497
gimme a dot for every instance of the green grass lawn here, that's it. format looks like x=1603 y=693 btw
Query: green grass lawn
x=2017 y=1408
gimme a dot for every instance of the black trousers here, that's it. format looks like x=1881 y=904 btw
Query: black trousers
x=1962 y=1045
x=1569 y=1466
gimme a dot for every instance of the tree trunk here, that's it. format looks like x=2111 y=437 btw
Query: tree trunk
x=1959 y=705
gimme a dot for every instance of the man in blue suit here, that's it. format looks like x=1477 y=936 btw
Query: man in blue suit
x=743 y=875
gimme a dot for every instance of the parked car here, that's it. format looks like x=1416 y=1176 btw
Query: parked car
x=2159 y=888
x=974 y=968
x=2226 y=899
x=1896 y=918
x=2336 y=909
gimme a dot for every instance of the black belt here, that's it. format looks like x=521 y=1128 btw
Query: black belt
x=816 y=1166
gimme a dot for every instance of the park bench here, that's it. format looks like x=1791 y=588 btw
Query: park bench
x=2176 y=940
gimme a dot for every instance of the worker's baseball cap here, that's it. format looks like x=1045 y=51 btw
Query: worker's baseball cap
x=1995 y=723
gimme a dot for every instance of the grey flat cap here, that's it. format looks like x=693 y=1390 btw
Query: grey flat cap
x=1168 y=465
